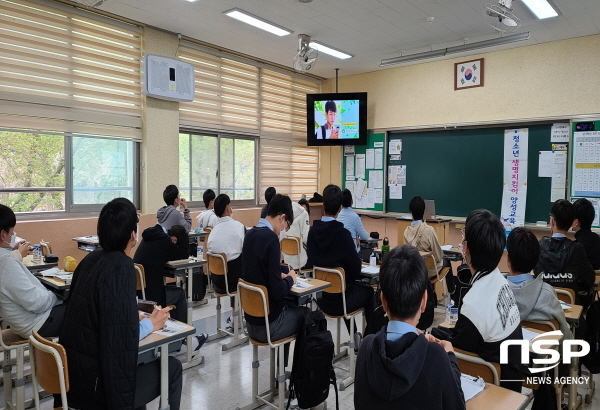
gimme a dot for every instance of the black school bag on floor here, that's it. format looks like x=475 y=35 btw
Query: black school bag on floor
x=312 y=370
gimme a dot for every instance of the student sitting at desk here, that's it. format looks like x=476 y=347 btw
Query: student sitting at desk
x=262 y=266
x=330 y=245
x=269 y=194
x=102 y=326
x=299 y=228
x=169 y=215
x=489 y=314
x=20 y=248
x=422 y=236
x=351 y=220
x=563 y=263
x=582 y=225
x=227 y=237
x=305 y=204
x=25 y=304
x=207 y=218
x=399 y=367
x=536 y=300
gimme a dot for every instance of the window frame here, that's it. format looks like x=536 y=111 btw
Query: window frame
x=70 y=208
x=219 y=135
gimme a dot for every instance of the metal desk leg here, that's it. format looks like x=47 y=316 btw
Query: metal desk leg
x=164 y=377
x=191 y=361
x=574 y=397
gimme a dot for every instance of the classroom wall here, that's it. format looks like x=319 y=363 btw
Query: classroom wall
x=545 y=80
x=330 y=167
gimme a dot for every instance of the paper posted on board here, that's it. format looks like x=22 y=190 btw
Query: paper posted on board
x=370 y=159
x=378 y=158
x=395 y=191
x=350 y=165
x=360 y=166
x=395 y=147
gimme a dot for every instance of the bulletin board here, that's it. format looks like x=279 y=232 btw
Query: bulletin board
x=585 y=164
x=364 y=173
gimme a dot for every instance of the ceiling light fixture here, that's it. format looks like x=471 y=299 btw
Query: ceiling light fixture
x=330 y=50
x=256 y=21
x=456 y=49
x=543 y=9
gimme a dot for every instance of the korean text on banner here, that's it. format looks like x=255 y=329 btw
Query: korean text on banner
x=514 y=195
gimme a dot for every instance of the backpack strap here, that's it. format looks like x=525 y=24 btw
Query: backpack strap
x=333 y=381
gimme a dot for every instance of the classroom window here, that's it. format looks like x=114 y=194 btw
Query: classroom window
x=225 y=164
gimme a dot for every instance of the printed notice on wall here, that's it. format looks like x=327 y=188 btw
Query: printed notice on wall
x=350 y=165
x=360 y=166
x=395 y=191
x=395 y=147
x=378 y=158
x=370 y=158
x=559 y=176
x=586 y=164
x=560 y=133
x=514 y=195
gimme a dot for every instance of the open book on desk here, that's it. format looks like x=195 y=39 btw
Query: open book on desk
x=471 y=386
x=370 y=270
x=301 y=284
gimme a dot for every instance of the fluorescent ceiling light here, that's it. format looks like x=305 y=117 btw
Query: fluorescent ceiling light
x=256 y=21
x=543 y=9
x=453 y=50
x=330 y=50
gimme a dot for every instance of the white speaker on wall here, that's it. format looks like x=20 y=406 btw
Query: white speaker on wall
x=167 y=78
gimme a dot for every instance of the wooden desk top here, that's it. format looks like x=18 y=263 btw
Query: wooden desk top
x=55 y=283
x=317 y=285
x=153 y=340
x=89 y=240
x=496 y=398
x=185 y=263
x=32 y=266
x=597 y=281
x=573 y=313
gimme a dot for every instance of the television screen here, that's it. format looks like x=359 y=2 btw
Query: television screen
x=337 y=119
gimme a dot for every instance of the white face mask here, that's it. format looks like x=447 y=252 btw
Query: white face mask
x=13 y=239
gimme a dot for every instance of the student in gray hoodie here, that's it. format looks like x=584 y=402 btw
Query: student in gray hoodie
x=169 y=215
x=537 y=300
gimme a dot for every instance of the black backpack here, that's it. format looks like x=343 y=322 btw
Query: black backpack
x=312 y=370
x=592 y=336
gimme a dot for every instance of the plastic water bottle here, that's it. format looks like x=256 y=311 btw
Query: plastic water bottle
x=385 y=248
x=449 y=306
x=200 y=252
x=37 y=253
x=373 y=259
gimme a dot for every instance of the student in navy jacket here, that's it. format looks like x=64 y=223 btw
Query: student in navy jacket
x=399 y=367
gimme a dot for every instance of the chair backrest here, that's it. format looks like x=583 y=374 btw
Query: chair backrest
x=429 y=261
x=335 y=276
x=50 y=362
x=140 y=277
x=254 y=299
x=543 y=325
x=565 y=295
x=46 y=248
x=473 y=365
x=207 y=229
x=290 y=245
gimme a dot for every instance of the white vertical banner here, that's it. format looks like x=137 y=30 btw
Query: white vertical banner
x=514 y=194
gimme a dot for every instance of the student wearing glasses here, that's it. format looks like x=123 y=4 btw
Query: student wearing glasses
x=261 y=258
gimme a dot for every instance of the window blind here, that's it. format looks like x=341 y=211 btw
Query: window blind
x=61 y=71
x=226 y=94
x=285 y=161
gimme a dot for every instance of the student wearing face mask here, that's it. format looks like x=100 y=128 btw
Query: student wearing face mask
x=25 y=304
x=20 y=249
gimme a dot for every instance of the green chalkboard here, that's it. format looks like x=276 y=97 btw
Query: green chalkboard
x=374 y=141
x=462 y=170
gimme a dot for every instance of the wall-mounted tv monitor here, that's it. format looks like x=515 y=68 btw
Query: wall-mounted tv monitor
x=336 y=119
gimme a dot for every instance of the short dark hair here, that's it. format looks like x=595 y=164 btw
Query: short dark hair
x=584 y=212
x=281 y=205
x=117 y=220
x=7 y=218
x=346 y=198
x=563 y=213
x=330 y=106
x=485 y=238
x=403 y=280
x=170 y=194
x=416 y=206
x=207 y=196
x=270 y=193
x=304 y=202
x=221 y=203
x=523 y=250
x=332 y=199
x=183 y=239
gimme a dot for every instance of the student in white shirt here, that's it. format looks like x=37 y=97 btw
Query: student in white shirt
x=299 y=228
x=207 y=218
x=227 y=237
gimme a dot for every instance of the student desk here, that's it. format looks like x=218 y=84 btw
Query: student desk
x=497 y=398
x=183 y=268
x=441 y=227
x=87 y=243
x=37 y=267
x=300 y=297
x=153 y=346
x=573 y=314
x=197 y=236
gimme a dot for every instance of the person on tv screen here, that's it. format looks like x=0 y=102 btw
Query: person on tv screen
x=327 y=130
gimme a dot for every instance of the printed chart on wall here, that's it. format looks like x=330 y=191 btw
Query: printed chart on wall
x=585 y=160
x=364 y=173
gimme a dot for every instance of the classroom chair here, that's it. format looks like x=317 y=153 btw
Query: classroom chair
x=473 y=365
x=140 y=279
x=565 y=295
x=254 y=300
x=292 y=246
x=9 y=342
x=217 y=265
x=48 y=368
x=337 y=278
